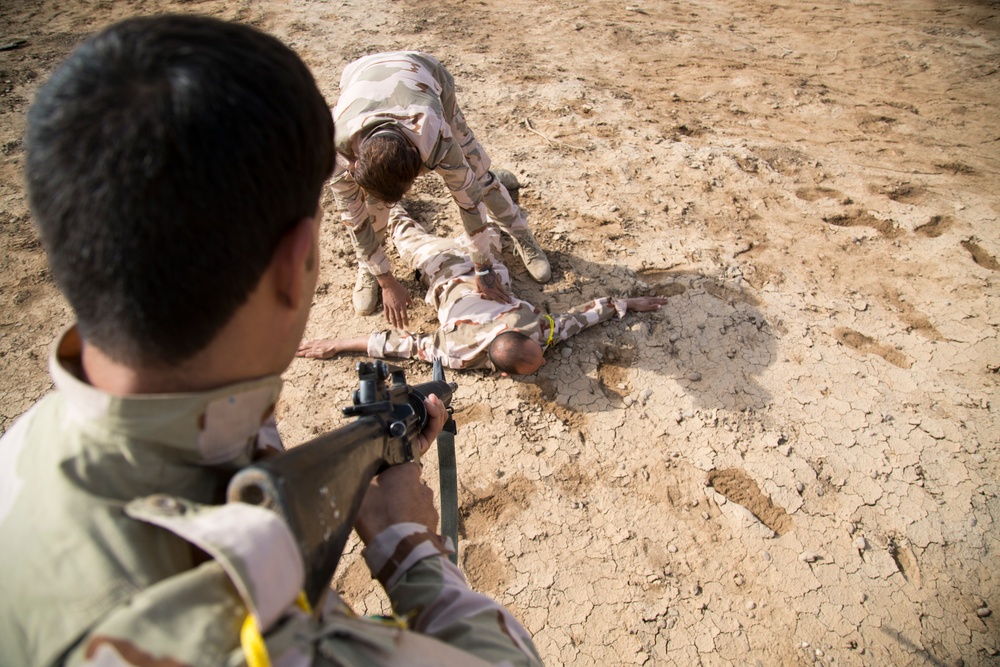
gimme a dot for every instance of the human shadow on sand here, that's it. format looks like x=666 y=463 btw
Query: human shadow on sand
x=710 y=343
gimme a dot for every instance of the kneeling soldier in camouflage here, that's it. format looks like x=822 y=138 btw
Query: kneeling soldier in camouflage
x=397 y=117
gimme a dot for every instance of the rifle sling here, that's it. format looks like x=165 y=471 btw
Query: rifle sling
x=448 y=474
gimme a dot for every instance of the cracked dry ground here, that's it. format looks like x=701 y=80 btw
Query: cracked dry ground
x=796 y=460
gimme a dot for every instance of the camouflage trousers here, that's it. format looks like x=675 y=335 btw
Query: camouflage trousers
x=436 y=258
x=501 y=212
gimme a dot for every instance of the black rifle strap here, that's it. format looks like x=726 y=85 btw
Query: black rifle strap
x=448 y=473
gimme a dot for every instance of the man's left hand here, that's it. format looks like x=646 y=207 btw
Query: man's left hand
x=438 y=415
x=491 y=287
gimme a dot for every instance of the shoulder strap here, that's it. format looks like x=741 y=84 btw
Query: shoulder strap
x=448 y=475
x=252 y=544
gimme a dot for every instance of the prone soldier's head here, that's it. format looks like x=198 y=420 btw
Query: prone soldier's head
x=387 y=165
x=166 y=160
x=513 y=352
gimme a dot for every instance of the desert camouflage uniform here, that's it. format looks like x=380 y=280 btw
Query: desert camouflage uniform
x=115 y=550
x=415 y=94
x=468 y=321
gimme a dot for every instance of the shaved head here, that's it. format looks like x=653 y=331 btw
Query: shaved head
x=513 y=352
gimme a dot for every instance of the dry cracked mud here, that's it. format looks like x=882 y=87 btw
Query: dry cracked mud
x=814 y=186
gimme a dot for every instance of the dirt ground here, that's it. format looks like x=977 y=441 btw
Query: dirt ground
x=796 y=460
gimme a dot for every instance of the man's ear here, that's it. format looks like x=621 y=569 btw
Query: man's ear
x=294 y=260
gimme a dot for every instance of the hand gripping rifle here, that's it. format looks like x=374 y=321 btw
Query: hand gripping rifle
x=318 y=486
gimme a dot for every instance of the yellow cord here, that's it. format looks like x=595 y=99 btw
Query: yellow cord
x=552 y=329
x=254 y=648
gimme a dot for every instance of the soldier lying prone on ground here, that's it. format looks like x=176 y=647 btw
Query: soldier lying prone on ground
x=474 y=332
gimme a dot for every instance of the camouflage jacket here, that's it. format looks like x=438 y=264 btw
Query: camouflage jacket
x=403 y=89
x=469 y=322
x=115 y=550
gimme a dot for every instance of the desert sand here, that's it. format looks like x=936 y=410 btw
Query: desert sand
x=796 y=460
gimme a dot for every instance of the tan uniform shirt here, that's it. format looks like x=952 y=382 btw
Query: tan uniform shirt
x=115 y=550
x=415 y=94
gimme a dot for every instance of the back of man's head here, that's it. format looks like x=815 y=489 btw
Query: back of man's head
x=513 y=352
x=165 y=160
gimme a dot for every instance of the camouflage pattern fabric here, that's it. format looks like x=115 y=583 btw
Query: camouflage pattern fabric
x=415 y=94
x=468 y=321
x=115 y=551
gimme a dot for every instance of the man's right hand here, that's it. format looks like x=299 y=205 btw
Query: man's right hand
x=397 y=495
x=326 y=348
x=395 y=300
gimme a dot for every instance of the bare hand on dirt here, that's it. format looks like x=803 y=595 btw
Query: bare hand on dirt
x=395 y=301
x=642 y=304
x=319 y=349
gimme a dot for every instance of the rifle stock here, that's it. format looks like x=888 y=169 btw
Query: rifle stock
x=318 y=486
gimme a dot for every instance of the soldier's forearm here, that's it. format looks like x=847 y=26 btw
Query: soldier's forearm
x=587 y=315
x=439 y=602
x=386 y=279
x=359 y=344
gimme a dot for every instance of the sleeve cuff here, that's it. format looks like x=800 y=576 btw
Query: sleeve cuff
x=376 y=344
x=401 y=546
x=378 y=263
x=620 y=307
x=482 y=244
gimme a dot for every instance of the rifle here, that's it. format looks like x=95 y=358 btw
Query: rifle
x=318 y=486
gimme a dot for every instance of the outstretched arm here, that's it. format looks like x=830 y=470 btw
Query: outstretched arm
x=352 y=209
x=393 y=343
x=327 y=348
x=461 y=180
x=600 y=310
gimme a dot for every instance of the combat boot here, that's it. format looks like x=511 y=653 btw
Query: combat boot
x=366 y=292
x=531 y=254
x=509 y=181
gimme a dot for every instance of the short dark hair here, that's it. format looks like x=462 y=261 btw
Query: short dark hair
x=386 y=166
x=166 y=158
x=509 y=350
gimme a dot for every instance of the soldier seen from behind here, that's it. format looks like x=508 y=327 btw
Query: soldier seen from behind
x=175 y=166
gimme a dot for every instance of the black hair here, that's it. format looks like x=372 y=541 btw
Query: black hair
x=166 y=158
x=386 y=166
x=510 y=349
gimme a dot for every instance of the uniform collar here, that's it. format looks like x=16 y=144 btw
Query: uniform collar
x=209 y=427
